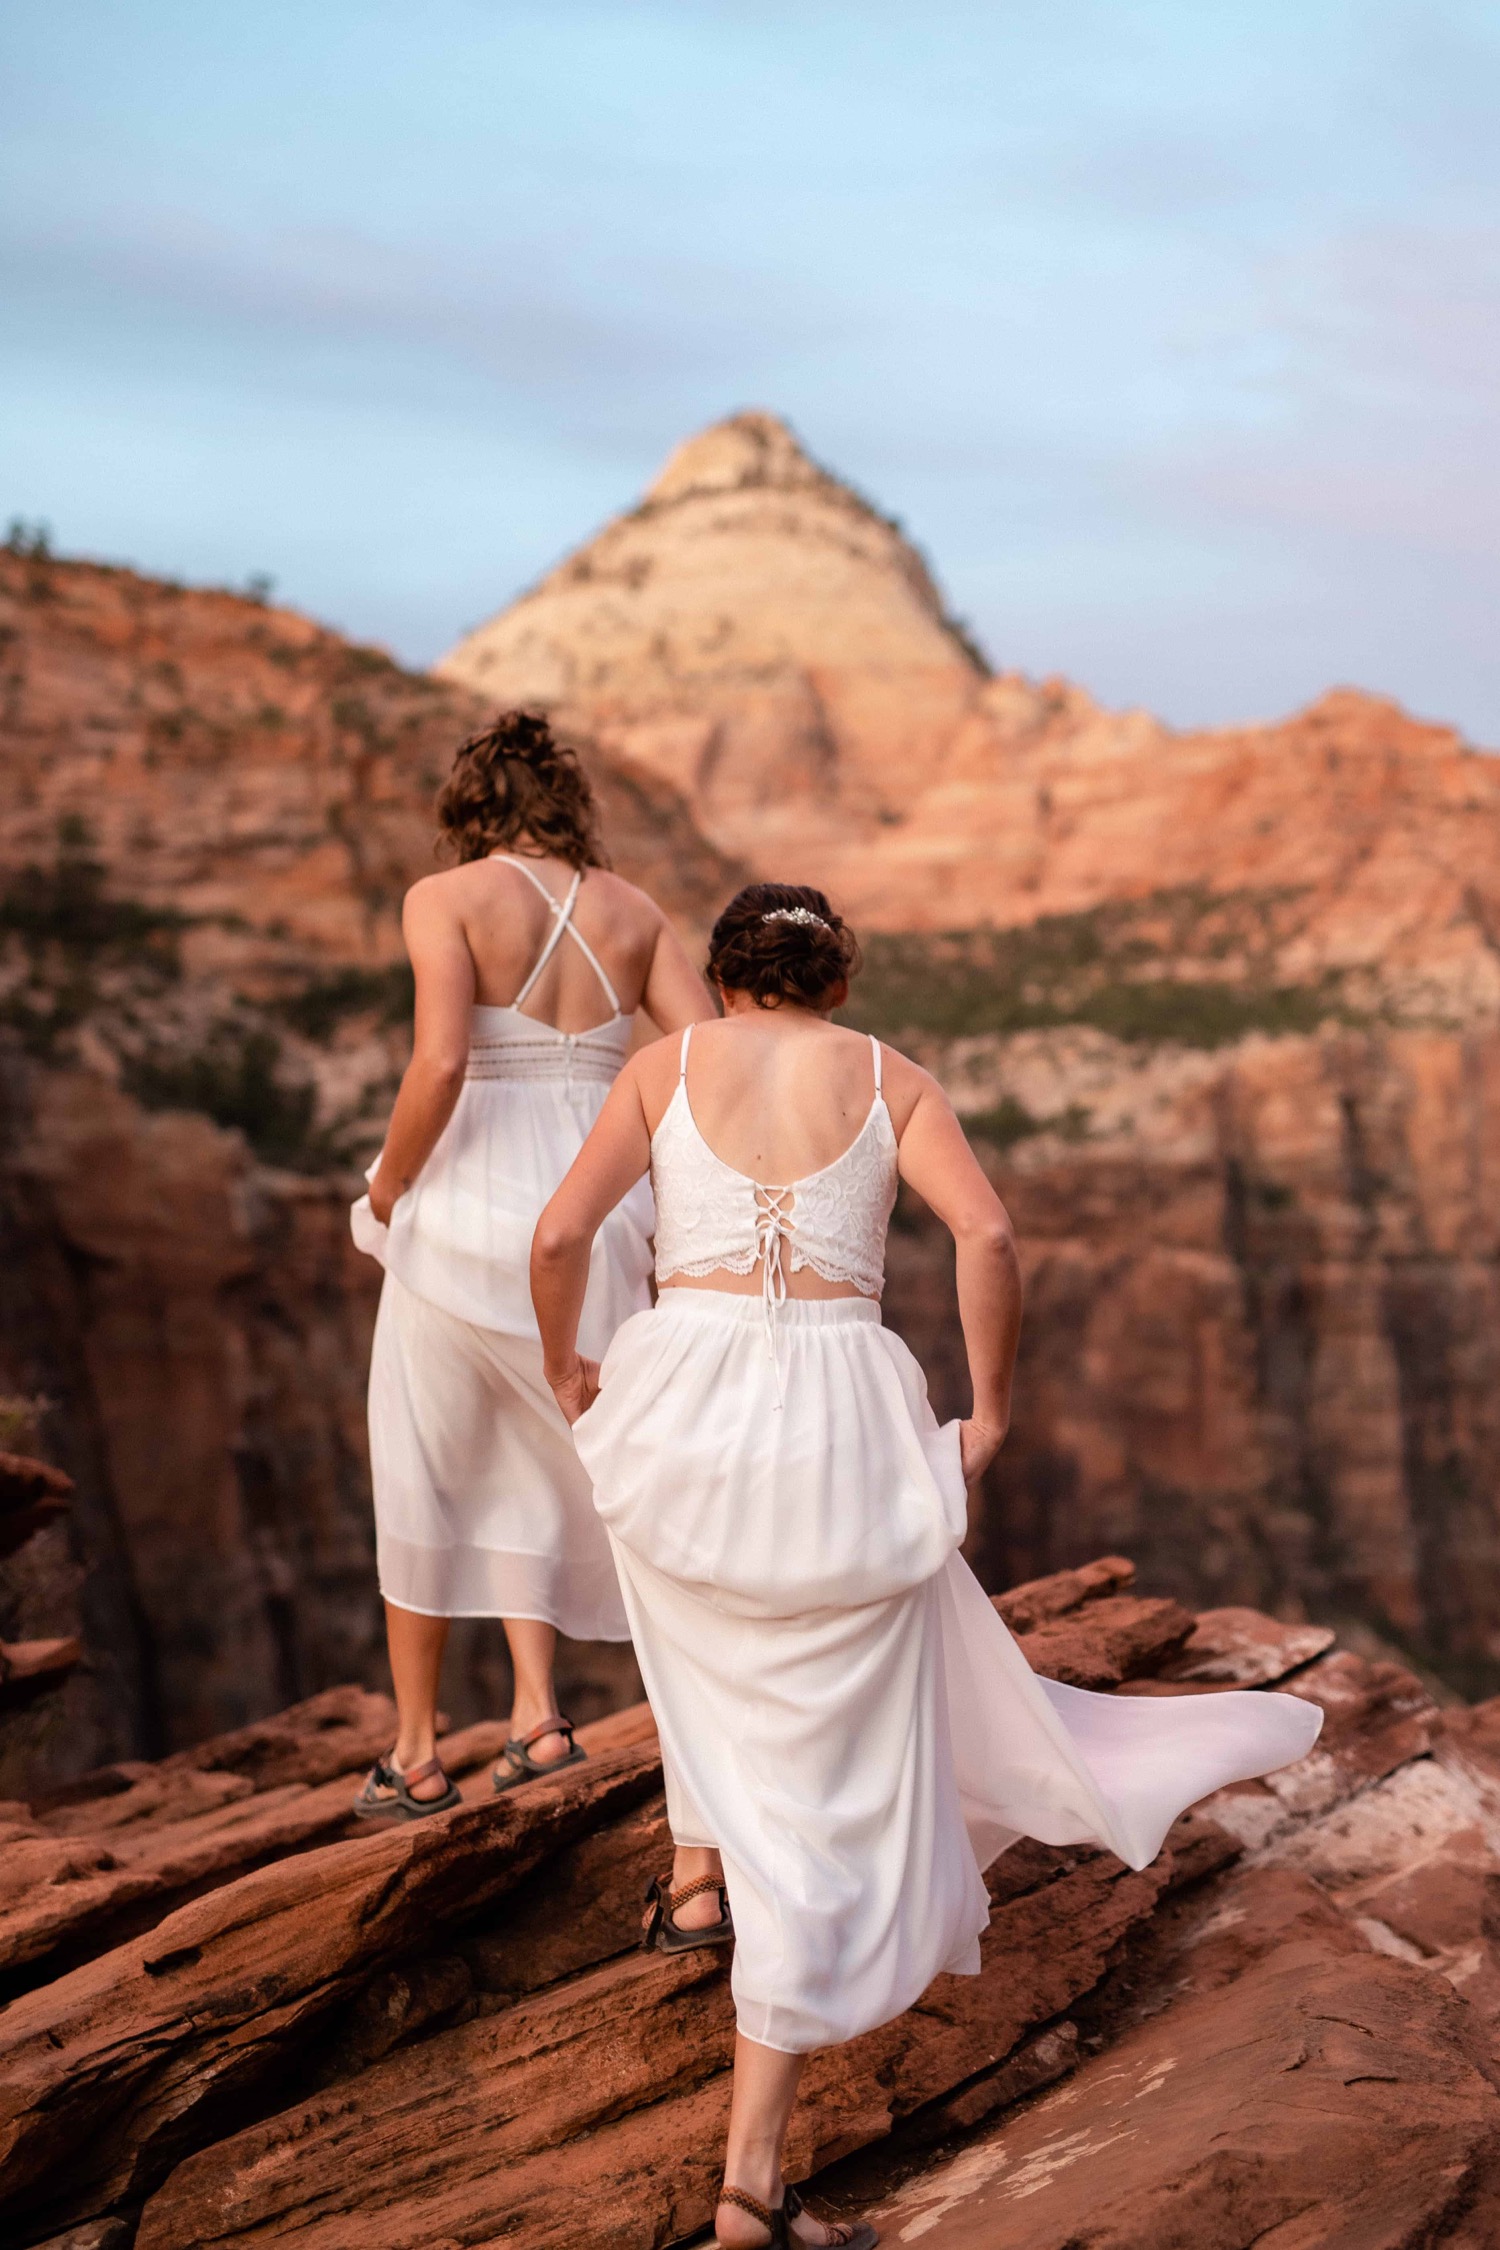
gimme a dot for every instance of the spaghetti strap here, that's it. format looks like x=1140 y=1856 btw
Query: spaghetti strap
x=562 y=921
x=875 y=1051
x=682 y=1063
x=560 y=918
x=595 y=964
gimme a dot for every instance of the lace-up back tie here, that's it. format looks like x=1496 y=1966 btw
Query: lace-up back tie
x=712 y=1219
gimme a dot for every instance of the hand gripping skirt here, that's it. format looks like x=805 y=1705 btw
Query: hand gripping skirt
x=842 y=1713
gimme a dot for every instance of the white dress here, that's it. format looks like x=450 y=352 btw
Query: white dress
x=482 y=1508
x=842 y=1713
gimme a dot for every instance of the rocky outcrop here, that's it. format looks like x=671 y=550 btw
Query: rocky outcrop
x=209 y=811
x=759 y=636
x=445 y=2034
x=754 y=634
x=1263 y=1302
x=1218 y=1008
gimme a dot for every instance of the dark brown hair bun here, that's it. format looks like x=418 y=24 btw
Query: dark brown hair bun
x=782 y=941
x=516 y=783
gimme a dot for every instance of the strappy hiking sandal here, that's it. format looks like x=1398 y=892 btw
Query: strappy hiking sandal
x=403 y=1805
x=523 y=1767
x=842 y=2235
x=664 y=1934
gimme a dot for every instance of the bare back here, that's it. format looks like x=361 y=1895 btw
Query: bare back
x=506 y=924
x=777 y=1092
x=477 y=933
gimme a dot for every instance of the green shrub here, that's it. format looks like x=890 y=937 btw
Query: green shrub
x=69 y=906
x=317 y=1010
x=1117 y=968
x=233 y=1078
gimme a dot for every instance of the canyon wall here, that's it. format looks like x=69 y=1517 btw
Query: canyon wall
x=1219 y=1011
x=209 y=812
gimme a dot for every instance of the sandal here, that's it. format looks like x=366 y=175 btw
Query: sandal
x=403 y=1805
x=663 y=1933
x=523 y=1767
x=842 y=2235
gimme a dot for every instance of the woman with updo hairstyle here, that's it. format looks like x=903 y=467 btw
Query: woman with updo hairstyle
x=531 y=960
x=849 y=1734
x=782 y=941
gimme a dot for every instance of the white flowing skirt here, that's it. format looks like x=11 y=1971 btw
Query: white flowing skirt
x=482 y=1506
x=842 y=1713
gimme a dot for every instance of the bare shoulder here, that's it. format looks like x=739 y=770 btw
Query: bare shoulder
x=907 y=1086
x=435 y=898
x=627 y=900
x=653 y=1071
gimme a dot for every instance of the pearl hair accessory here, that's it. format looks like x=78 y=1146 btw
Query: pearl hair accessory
x=803 y=916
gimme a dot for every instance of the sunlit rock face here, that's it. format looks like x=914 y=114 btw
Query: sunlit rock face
x=209 y=812
x=756 y=634
x=1220 y=1011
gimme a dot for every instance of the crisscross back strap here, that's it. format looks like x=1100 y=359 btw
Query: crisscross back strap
x=562 y=921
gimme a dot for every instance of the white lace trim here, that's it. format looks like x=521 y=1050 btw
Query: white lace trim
x=522 y=1048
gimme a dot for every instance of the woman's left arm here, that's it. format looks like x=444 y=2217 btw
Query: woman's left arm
x=615 y=1155
x=444 y=971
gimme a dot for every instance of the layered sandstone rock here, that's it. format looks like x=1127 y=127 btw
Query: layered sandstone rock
x=209 y=812
x=443 y=2033
x=758 y=635
x=1218 y=1008
x=755 y=634
x=1260 y=1351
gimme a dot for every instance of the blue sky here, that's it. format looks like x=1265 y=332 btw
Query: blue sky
x=1171 y=331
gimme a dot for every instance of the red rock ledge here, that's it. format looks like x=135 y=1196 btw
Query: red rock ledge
x=234 y=2018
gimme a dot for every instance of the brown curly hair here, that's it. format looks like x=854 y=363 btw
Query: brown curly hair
x=801 y=958
x=516 y=782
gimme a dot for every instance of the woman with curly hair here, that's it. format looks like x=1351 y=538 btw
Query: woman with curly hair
x=531 y=960
x=849 y=1734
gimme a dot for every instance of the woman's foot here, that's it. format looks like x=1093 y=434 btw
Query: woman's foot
x=736 y=2228
x=405 y=1793
x=692 y=1864
x=548 y=1749
x=427 y=1789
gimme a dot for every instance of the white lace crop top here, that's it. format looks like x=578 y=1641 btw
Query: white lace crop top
x=713 y=1219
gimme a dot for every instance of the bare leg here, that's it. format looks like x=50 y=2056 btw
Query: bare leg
x=765 y=2087
x=416 y=1645
x=533 y=1651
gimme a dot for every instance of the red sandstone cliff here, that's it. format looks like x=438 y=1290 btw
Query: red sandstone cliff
x=760 y=636
x=209 y=811
x=1219 y=1008
x=231 y=2020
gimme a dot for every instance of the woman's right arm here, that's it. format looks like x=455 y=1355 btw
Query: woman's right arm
x=675 y=995
x=936 y=1160
x=615 y=1155
x=433 y=1080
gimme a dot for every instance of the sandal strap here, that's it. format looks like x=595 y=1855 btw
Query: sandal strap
x=744 y=2202
x=557 y=1724
x=691 y=1890
x=839 y=2232
x=422 y=1773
